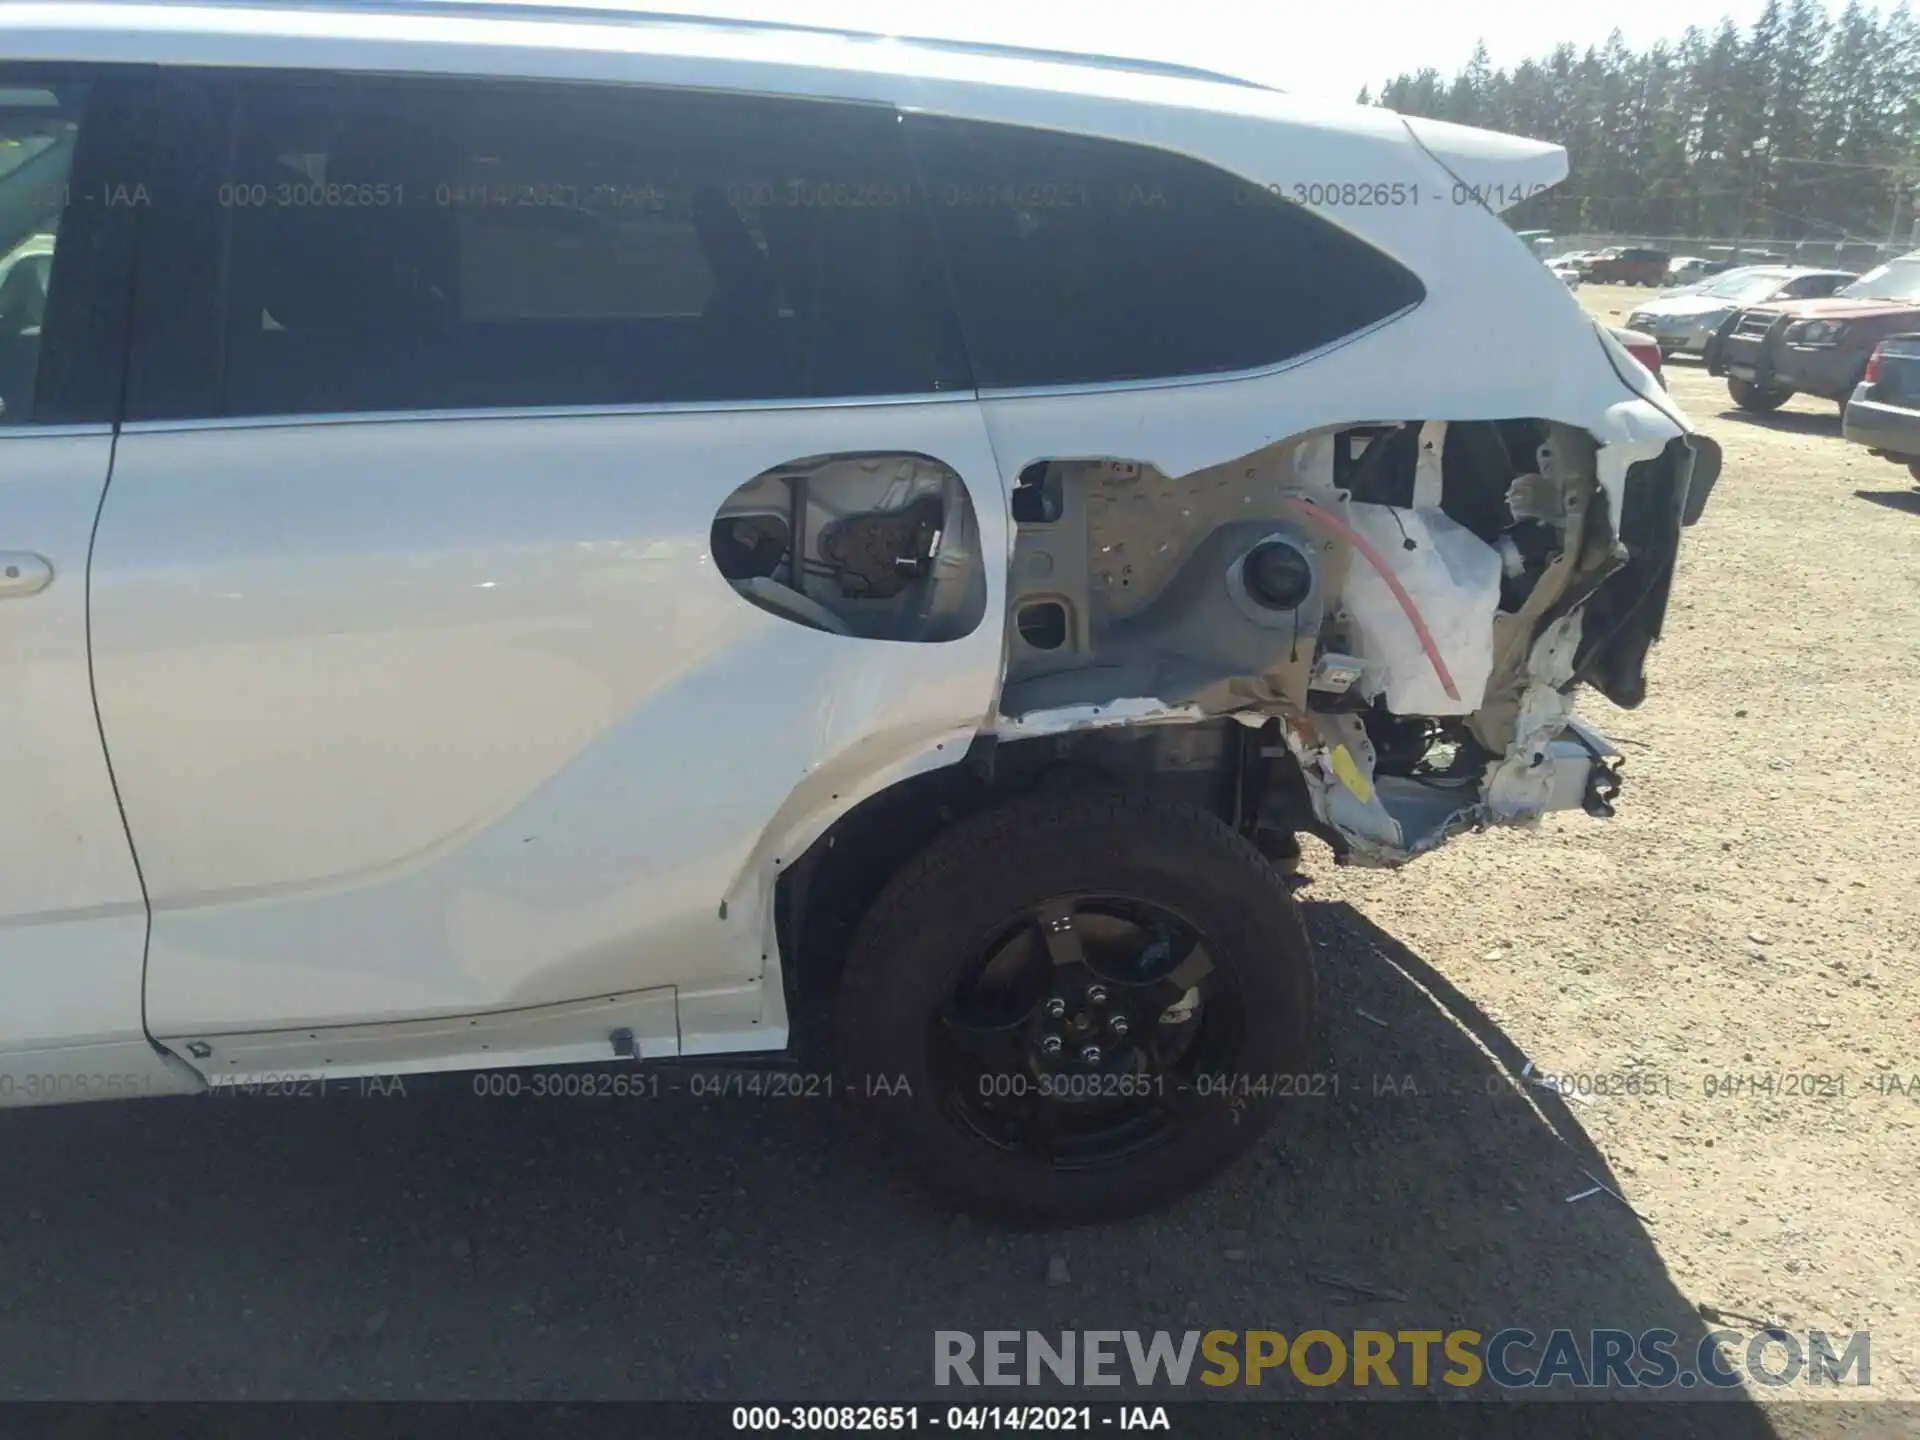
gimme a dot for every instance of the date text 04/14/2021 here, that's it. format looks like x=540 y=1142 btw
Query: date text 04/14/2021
x=1066 y=1419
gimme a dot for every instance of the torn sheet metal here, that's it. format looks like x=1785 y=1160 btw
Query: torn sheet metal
x=1406 y=597
x=1520 y=785
x=1132 y=710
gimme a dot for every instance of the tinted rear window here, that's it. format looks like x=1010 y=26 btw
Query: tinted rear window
x=401 y=245
x=1077 y=260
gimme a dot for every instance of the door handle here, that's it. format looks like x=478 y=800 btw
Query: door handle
x=23 y=573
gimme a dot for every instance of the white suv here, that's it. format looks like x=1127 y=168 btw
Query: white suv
x=538 y=535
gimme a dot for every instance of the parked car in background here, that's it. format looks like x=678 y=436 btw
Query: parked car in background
x=1628 y=266
x=1569 y=275
x=1685 y=269
x=1643 y=348
x=1883 y=413
x=1744 y=262
x=1684 y=320
x=1771 y=352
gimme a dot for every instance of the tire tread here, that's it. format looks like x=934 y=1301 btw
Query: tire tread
x=984 y=852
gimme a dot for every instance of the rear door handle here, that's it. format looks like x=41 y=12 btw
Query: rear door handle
x=23 y=573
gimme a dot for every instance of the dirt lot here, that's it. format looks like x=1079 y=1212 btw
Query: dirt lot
x=1753 y=912
x=1754 y=909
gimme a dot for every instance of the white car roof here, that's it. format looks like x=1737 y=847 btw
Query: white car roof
x=1119 y=97
x=1138 y=41
x=811 y=30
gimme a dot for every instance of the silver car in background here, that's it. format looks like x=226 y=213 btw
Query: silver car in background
x=1682 y=321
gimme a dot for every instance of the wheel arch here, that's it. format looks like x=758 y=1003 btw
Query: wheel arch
x=1215 y=764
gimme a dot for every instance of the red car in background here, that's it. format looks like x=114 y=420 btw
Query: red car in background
x=1642 y=347
x=1628 y=266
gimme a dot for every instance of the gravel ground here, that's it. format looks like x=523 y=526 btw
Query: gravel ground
x=1752 y=912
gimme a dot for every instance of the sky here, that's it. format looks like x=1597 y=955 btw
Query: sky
x=1318 y=47
x=1404 y=35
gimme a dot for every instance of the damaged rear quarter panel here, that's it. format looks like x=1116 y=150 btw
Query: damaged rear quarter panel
x=1533 y=354
x=1496 y=337
x=1146 y=565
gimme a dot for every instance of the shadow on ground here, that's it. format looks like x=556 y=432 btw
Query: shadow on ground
x=1796 y=422
x=444 y=1245
x=1907 y=500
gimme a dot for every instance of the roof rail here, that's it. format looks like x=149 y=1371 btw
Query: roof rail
x=604 y=13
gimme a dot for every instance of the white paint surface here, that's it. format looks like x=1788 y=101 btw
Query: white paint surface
x=417 y=717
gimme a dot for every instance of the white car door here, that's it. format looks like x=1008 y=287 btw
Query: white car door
x=72 y=917
x=448 y=731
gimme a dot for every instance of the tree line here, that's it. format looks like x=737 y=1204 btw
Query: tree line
x=1803 y=127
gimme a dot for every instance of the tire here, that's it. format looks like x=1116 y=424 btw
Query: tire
x=948 y=915
x=1749 y=396
x=1913 y=469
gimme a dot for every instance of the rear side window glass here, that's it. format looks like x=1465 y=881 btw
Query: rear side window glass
x=1078 y=260
x=1810 y=287
x=410 y=245
x=39 y=131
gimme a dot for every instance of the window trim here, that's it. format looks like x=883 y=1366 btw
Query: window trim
x=726 y=407
x=1210 y=377
x=62 y=429
x=540 y=412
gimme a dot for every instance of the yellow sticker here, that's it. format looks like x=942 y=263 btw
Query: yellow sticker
x=1351 y=776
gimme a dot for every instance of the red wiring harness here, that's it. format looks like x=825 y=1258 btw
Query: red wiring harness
x=1330 y=521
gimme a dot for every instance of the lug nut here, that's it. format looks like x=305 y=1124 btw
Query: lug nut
x=1096 y=994
x=1091 y=1055
x=1118 y=1025
x=1056 y=1007
x=1050 y=1045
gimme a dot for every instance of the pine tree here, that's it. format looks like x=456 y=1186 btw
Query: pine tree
x=1791 y=129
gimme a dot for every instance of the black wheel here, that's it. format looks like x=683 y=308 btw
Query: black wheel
x=1074 y=1007
x=1749 y=396
x=1913 y=469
